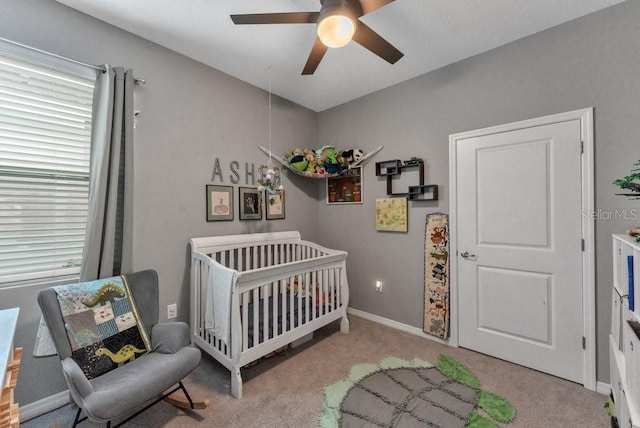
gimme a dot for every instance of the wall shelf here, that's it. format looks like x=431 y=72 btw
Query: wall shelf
x=419 y=192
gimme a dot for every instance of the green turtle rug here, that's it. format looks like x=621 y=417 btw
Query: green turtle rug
x=400 y=393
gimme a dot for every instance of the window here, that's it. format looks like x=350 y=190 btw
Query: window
x=45 y=129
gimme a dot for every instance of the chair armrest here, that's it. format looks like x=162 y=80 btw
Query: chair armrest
x=75 y=378
x=170 y=337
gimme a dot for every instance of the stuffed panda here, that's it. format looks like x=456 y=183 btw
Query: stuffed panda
x=347 y=155
x=358 y=154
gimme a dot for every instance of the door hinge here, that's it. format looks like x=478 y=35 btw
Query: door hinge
x=581 y=147
x=584 y=342
x=583 y=245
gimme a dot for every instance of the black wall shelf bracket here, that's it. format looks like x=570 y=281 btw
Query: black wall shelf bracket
x=394 y=167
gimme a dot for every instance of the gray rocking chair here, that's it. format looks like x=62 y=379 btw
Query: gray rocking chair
x=132 y=388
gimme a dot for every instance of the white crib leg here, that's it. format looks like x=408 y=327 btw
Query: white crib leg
x=344 y=324
x=236 y=383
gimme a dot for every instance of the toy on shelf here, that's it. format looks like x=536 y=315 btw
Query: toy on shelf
x=322 y=163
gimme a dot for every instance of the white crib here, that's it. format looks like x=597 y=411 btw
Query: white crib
x=279 y=278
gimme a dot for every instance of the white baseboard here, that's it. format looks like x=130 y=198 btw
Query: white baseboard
x=603 y=388
x=395 y=324
x=46 y=405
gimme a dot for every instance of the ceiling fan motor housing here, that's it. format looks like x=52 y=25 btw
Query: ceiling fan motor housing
x=348 y=8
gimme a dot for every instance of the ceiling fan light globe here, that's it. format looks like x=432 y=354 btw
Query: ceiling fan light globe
x=335 y=31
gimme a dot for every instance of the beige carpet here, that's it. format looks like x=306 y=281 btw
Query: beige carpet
x=286 y=390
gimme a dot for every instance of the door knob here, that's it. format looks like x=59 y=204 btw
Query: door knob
x=466 y=255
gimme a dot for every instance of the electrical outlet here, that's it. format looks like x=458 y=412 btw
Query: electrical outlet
x=379 y=286
x=172 y=311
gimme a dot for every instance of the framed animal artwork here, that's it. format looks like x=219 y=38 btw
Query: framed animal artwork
x=250 y=203
x=219 y=203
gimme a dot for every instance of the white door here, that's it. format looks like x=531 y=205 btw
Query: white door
x=519 y=241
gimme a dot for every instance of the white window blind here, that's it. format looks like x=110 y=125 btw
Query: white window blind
x=45 y=128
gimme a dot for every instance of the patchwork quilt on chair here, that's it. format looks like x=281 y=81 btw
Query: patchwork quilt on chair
x=436 y=276
x=103 y=324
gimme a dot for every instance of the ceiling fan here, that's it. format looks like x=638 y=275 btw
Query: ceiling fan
x=337 y=24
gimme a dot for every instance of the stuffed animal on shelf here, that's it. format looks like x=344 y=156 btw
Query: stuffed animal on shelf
x=352 y=155
x=296 y=159
x=311 y=159
x=331 y=163
x=358 y=154
x=347 y=155
x=299 y=162
x=326 y=157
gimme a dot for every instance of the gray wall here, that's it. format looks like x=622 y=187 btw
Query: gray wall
x=191 y=114
x=592 y=61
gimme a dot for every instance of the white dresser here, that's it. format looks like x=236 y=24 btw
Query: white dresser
x=624 y=342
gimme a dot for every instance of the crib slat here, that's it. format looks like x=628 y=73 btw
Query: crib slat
x=245 y=321
x=334 y=293
x=284 y=314
x=223 y=258
x=276 y=295
x=303 y=280
x=329 y=291
x=197 y=296
x=254 y=258
x=265 y=312
x=313 y=280
x=338 y=298
x=294 y=296
x=324 y=296
x=256 y=317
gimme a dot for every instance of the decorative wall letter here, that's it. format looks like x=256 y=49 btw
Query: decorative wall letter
x=249 y=174
x=217 y=171
x=235 y=177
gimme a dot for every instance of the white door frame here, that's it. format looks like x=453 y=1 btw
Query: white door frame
x=588 y=256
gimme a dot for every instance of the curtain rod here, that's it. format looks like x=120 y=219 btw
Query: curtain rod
x=101 y=68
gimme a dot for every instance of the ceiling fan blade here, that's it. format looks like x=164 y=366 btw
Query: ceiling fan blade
x=317 y=52
x=276 y=18
x=369 y=6
x=371 y=40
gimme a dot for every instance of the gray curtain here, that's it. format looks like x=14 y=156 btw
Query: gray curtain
x=108 y=240
x=107 y=246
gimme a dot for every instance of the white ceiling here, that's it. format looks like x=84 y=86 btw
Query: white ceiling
x=431 y=34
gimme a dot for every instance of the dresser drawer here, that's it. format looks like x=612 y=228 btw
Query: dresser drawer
x=615 y=359
x=631 y=350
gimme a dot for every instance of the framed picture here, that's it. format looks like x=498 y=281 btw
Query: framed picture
x=219 y=203
x=250 y=203
x=391 y=215
x=345 y=188
x=275 y=205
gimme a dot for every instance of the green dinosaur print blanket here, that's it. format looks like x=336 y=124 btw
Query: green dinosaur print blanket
x=103 y=324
